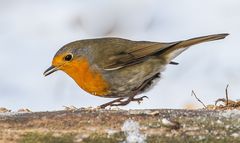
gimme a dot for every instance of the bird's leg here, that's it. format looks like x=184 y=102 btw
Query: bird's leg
x=111 y=103
x=121 y=102
x=130 y=99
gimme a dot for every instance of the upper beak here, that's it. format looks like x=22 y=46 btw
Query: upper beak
x=50 y=70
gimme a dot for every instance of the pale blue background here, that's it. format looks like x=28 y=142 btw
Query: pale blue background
x=32 y=31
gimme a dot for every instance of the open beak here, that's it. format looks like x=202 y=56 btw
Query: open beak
x=50 y=70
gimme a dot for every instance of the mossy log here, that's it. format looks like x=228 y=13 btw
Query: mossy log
x=111 y=126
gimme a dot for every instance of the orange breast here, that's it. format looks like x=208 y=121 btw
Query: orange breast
x=88 y=79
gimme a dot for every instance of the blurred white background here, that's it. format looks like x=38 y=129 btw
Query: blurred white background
x=32 y=31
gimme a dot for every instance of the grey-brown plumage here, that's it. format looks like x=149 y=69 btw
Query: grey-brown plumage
x=130 y=66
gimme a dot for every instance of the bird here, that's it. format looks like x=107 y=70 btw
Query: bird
x=119 y=68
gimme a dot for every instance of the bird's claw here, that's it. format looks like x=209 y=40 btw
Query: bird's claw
x=139 y=99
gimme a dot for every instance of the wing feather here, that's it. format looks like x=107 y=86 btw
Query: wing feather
x=142 y=50
x=136 y=54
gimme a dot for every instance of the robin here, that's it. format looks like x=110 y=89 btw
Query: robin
x=119 y=68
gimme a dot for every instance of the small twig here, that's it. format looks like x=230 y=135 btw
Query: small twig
x=193 y=93
x=226 y=92
x=220 y=100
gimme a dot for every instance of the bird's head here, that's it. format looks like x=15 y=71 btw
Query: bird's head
x=64 y=59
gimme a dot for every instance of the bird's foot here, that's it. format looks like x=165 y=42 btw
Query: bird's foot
x=140 y=99
x=122 y=102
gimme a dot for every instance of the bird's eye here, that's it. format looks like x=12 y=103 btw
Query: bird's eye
x=68 y=57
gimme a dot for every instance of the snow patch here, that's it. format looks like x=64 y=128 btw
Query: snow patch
x=111 y=132
x=11 y=114
x=235 y=135
x=167 y=122
x=231 y=113
x=132 y=133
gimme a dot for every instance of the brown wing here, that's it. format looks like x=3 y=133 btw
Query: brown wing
x=136 y=54
x=143 y=50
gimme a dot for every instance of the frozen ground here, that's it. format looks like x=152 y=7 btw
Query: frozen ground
x=32 y=31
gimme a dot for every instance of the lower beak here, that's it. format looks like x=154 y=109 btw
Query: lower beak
x=50 y=70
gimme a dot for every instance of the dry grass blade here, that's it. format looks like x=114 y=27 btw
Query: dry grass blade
x=226 y=92
x=193 y=93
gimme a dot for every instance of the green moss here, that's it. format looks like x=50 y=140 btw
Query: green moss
x=46 y=138
x=104 y=138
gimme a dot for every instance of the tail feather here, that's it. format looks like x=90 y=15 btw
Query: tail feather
x=198 y=40
x=173 y=51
